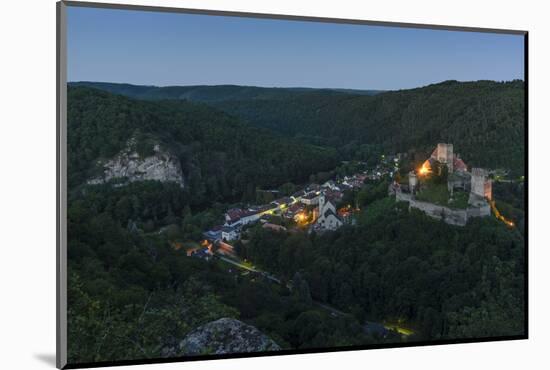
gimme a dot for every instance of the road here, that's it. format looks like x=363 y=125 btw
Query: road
x=401 y=330
x=238 y=264
x=248 y=268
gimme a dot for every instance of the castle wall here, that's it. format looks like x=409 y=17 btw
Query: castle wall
x=451 y=216
x=457 y=217
x=482 y=211
x=402 y=197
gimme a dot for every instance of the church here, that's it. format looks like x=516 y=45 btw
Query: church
x=328 y=217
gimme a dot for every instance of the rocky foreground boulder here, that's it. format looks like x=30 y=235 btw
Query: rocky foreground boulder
x=223 y=336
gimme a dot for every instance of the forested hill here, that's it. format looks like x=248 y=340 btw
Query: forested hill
x=222 y=158
x=210 y=94
x=484 y=119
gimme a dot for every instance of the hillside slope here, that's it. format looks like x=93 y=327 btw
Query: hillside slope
x=211 y=94
x=484 y=120
x=220 y=156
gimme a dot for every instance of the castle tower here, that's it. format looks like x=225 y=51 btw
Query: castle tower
x=488 y=189
x=445 y=155
x=481 y=186
x=322 y=200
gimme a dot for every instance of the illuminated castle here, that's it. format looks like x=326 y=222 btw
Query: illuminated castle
x=476 y=184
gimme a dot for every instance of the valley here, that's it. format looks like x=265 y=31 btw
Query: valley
x=271 y=210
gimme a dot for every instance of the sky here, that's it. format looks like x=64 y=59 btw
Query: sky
x=167 y=49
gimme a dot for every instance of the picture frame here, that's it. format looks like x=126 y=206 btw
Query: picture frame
x=62 y=185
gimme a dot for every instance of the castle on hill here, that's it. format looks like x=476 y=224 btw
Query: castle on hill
x=475 y=182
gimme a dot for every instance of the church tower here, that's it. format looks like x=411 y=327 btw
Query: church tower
x=322 y=200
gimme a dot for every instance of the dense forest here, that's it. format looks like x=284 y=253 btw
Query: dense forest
x=222 y=158
x=484 y=119
x=132 y=294
x=443 y=282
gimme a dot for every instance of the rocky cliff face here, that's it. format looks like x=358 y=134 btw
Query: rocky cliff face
x=161 y=166
x=222 y=336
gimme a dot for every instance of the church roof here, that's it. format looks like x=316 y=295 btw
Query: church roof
x=329 y=212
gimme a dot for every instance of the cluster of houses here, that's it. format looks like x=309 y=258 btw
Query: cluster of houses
x=316 y=203
x=314 y=207
x=388 y=166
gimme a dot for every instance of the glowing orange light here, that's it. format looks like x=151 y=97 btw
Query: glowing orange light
x=425 y=169
x=499 y=216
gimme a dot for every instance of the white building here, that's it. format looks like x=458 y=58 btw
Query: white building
x=250 y=216
x=310 y=199
x=330 y=184
x=240 y=217
x=230 y=233
x=328 y=217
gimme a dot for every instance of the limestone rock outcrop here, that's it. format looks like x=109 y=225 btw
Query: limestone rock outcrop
x=161 y=166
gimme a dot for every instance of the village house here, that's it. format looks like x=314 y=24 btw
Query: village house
x=313 y=187
x=242 y=217
x=230 y=233
x=202 y=253
x=294 y=210
x=310 y=199
x=330 y=184
x=282 y=202
x=251 y=215
x=214 y=235
x=233 y=216
x=355 y=181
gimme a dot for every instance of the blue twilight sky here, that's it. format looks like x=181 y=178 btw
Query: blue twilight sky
x=163 y=49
